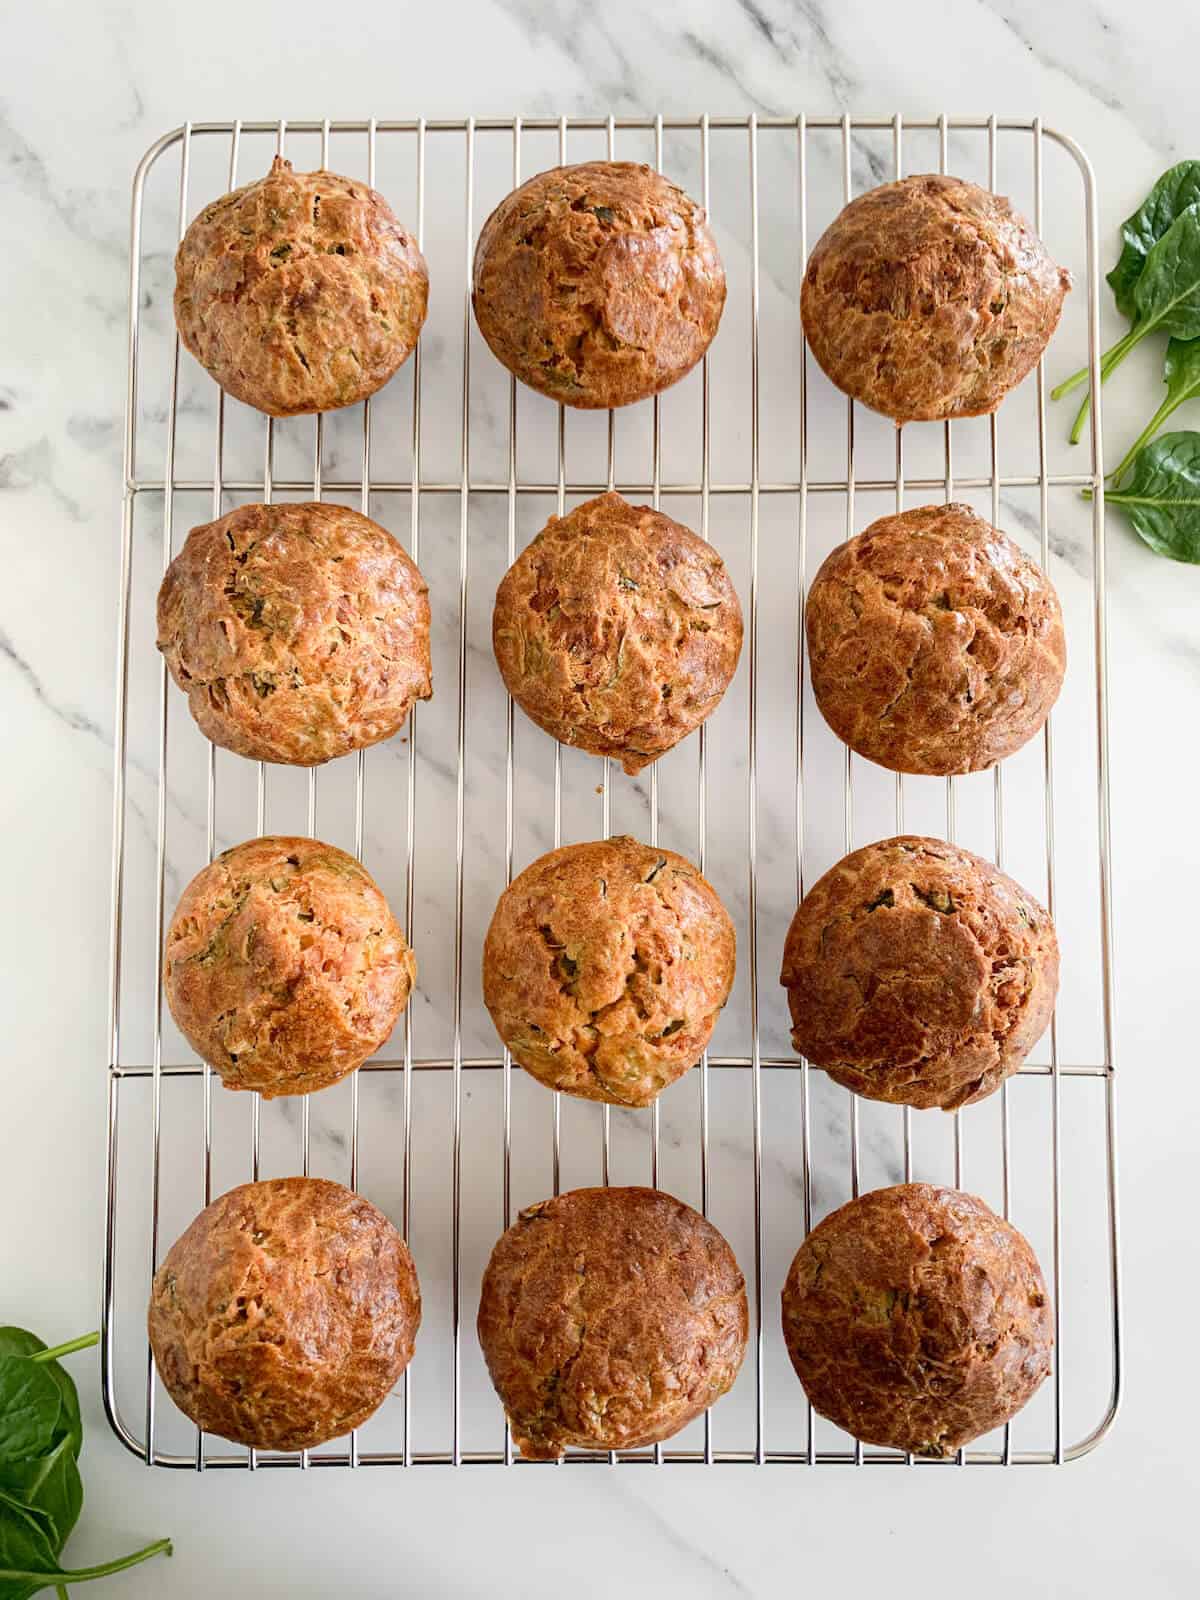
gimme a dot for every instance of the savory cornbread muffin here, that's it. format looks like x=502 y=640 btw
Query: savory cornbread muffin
x=609 y=1320
x=617 y=630
x=918 y=973
x=297 y=632
x=917 y=1318
x=604 y=969
x=284 y=1314
x=300 y=292
x=598 y=284
x=930 y=298
x=284 y=967
x=935 y=645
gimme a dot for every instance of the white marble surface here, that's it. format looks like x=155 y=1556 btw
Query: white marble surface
x=85 y=94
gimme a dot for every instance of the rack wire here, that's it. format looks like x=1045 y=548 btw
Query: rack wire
x=757 y=1141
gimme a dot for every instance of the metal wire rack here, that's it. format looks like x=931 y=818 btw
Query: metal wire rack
x=759 y=454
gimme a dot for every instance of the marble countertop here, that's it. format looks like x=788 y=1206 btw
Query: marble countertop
x=87 y=92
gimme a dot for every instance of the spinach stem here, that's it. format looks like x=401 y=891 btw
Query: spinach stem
x=1109 y=362
x=1147 y=433
x=84 y=1342
x=1081 y=376
x=86 y=1574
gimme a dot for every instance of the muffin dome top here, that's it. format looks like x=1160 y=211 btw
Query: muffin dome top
x=617 y=630
x=300 y=292
x=930 y=298
x=598 y=284
x=297 y=632
x=605 y=966
x=917 y=1318
x=935 y=644
x=284 y=1314
x=284 y=967
x=919 y=973
x=609 y=1319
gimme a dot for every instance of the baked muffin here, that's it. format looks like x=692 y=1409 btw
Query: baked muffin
x=284 y=967
x=604 y=969
x=918 y=973
x=285 y=1313
x=617 y=630
x=930 y=298
x=917 y=1318
x=935 y=645
x=609 y=1320
x=300 y=292
x=598 y=284
x=297 y=632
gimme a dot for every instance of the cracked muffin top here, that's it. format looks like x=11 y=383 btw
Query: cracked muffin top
x=300 y=292
x=918 y=973
x=935 y=644
x=605 y=966
x=930 y=298
x=917 y=1318
x=609 y=1320
x=598 y=284
x=297 y=632
x=617 y=630
x=284 y=1314
x=284 y=966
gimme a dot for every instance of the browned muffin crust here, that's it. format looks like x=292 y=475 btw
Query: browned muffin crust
x=284 y=1314
x=598 y=284
x=297 y=632
x=930 y=298
x=609 y=1320
x=605 y=966
x=284 y=967
x=917 y=1318
x=918 y=973
x=935 y=645
x=300 y=292
x=617 y=630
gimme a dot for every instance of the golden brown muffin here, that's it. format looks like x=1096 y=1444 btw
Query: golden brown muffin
x=604 y=969
x=284 y=967
x=297 y=632
x=300 y=292
x=917 y=1318
x=930 y=298
x=609 y=1320
x=935 y=645
x=284 y=1314
x=918 y=973
x=617 y=630
x=598 y=284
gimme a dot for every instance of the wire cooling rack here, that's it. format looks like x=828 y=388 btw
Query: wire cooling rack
x=759 y=454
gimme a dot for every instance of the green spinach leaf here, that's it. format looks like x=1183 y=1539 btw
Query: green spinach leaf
x=1175 y=191
x=40 y=1489
x=1167 y=297
x=26 y=1548
x=1181 y=374
x=30 y=1409
x=50 y=1484
x=19 y=1342
x=29 y=1564
x=1162 y=496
